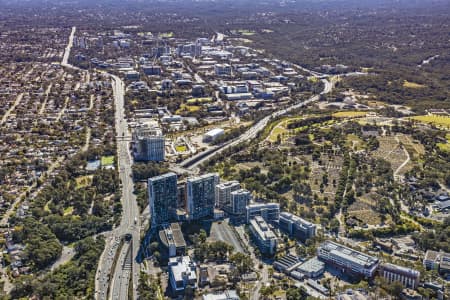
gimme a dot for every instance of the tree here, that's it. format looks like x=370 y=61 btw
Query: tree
x=154 y=246
x=395 y=289
x=202 y=236
x=242 y=262
x=295 y=293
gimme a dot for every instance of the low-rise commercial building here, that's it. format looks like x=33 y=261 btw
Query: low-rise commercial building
x=268 y=211
x=312 y=268
x=132 y=75
x=238 y=96
x=347 y=259
x=437 y=261
x=296 y=226
x=222 y=69
x=182 y=273
x=172 y=239
x=286 y=263
x=213 y=135
x=225 y=295
x=408 y=277
x=263 y=236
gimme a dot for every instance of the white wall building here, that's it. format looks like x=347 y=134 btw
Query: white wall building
x=149 y=144
x=213 y=135
x=239 y=200
x=263 y=236
x=269 y=211
x=223 y=193
x=182 y=273
x=348 y=259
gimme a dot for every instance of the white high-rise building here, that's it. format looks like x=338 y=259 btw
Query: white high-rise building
x=149 y=144
x=223 y=193
x=239 y=200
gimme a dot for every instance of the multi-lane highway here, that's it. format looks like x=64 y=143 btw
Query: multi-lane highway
x=121 y=278
x=130 y=222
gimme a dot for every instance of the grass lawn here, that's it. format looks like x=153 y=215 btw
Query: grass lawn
x=181 y=148
x=83 y=181
x=68 y=210
x=199 y=100
x=189 y=108
x=166 y=35
x=246 y=32
x=444 y=147
x=107 y=160
x=362 y=209
x=46 y=208
x=349 y=114
x=279 y=130
x=313 y=79
x=354 y=142
x=279 y=293
x=433 y=119
x=412 y=85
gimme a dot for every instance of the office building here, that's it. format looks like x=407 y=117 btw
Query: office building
x=201 y=196
x=172 y=239
x=347 y=259
x=223 y=193
x=132 y=75
x=287 y=263
x=182 y=273
x=198 y=91
x=189 y=50
x=263 y=236
x=151 y=70
x=148 y=144
x=161 y=51
x=312 y=268
x=269 y=211
x=162 y=191
x=222 y=69
x=408 y=277
x=213 y=135
x=239 y=200
x=437 y=261
x=296 y=226
x=166 y=84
